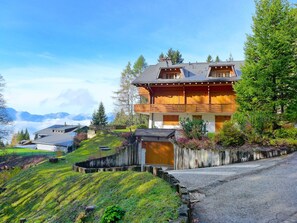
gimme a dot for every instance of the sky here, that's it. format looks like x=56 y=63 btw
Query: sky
x=68 y=55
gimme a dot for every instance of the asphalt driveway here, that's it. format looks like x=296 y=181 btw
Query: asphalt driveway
x=259 y=191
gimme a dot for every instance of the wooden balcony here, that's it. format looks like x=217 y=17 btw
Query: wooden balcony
x=181 y=108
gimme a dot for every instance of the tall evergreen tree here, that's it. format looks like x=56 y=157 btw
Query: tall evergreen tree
x=174 y=55
x=209 y=59
x=217 y=59
x=269 y=82
x=99 y=117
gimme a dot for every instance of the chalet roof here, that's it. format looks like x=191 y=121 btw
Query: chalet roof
x=57 y=139
x=57 y=129
x=193 y=72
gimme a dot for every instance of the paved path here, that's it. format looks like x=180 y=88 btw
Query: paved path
x=251 y=192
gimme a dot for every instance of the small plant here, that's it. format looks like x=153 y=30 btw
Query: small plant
x=230 y=135
x=193 y=129
x=112 y=214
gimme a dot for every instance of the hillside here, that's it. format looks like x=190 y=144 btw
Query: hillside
x=54 y=193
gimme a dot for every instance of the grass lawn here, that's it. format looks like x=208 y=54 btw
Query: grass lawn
x=54 y=193
x=25 y=152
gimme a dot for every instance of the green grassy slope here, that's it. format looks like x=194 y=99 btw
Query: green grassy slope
x=54 y=193
x=24 y=152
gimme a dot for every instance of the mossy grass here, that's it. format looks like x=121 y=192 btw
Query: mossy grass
x=54 y=193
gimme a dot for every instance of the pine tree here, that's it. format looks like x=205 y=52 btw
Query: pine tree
x=99 y=117
x=174 y=55
x=27 y=135
x=102 y=118
x=269 y=82
x=217 y=59
x=209 y=59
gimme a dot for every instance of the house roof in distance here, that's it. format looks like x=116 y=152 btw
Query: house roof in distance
x=57 y=139
x=192 y=72
x=56 y=129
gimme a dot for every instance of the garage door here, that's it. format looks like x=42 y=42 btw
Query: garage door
x=220 y=121
x=159 y=153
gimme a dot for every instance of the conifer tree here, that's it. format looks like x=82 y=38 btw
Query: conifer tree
x=269 y=81
x=99 y=117
x=209 y=59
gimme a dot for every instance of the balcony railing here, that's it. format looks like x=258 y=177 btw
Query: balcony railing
x=181 y=108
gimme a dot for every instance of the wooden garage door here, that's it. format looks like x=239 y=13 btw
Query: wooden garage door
x=220 y=121
x=159 y=153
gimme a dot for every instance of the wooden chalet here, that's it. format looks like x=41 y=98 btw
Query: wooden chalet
x=188 y=90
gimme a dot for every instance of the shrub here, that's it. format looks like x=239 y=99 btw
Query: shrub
x=112 y=214
x=79 y=138
x=230 y=135
x=285 y=133
x=287 y=143
x=193 y=129
x=142 y=126
x=203 y=143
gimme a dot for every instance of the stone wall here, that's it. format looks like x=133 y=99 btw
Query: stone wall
x=191 y=158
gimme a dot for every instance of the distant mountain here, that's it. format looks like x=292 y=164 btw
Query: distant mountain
x=26 y=116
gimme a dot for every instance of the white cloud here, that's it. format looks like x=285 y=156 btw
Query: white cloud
x=73 y=87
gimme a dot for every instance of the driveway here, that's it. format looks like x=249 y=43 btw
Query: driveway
x=251 y=192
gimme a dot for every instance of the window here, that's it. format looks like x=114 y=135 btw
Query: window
x=170 y=120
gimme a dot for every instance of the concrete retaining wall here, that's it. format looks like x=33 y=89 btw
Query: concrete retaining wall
x=190 y=158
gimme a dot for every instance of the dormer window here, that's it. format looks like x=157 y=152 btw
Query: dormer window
x=221 y=71
x=170 y=73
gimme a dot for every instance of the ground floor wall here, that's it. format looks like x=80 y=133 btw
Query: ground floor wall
x=51 y=148
x=213 y=120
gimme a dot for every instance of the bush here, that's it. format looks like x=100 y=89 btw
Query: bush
x=285 y=133
x=230 y=135
x=284 y=143
x=79 y=138
x=142 y=126
x=193 y=129
x=203 y=143
x=112 y=214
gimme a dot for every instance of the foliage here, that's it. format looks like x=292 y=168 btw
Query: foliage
x=230 y=135
x=55 y=193
x=193 y=129
x=79 y=138
x=284 y=143
x=285 y=133
x=19 y=136
x=4 y=119
x=7 y=174
x=269 y=82
x=209 y=59
x=174 y=55
x=112 y=214
x=127 y=95
x=217 y=59
x=203 y=143
x=99 y=117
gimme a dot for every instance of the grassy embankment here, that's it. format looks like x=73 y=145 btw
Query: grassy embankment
x=24 y=152
x=54 y=193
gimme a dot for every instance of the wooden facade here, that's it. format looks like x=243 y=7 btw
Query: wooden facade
x=216 y=98
x=159 y=153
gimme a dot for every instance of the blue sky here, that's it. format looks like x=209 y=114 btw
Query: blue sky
x=68 y=55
